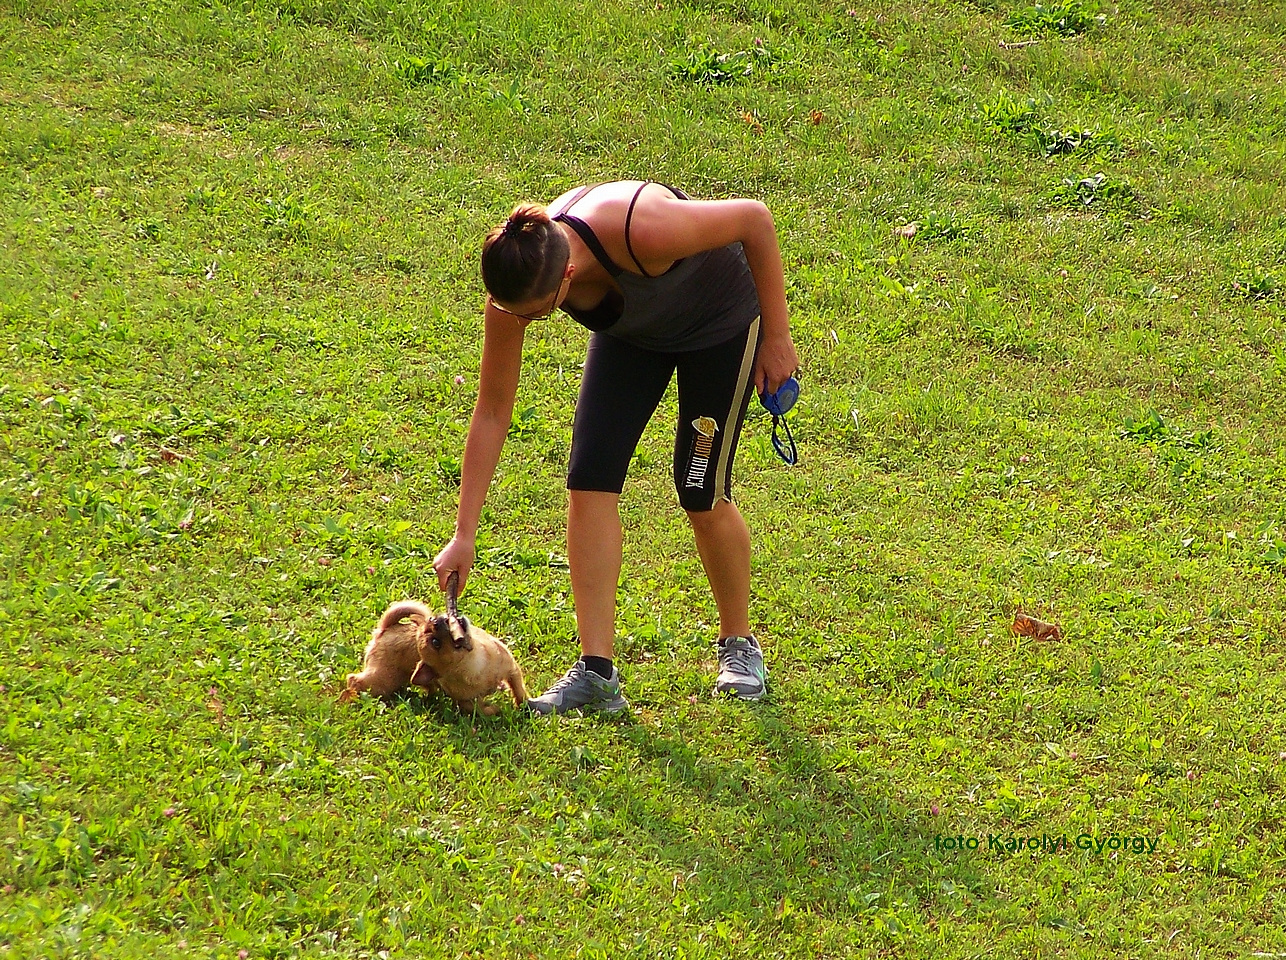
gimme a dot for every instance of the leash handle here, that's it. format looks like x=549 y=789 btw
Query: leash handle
x=778 y=404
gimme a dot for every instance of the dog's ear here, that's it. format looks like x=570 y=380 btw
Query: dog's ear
x=424 y=675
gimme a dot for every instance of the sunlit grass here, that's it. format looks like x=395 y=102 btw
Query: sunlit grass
x=239 y=315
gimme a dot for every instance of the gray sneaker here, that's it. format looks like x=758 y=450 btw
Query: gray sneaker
x=741 y=668
x=581 y=689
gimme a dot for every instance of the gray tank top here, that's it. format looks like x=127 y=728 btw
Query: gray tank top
x=701 y=301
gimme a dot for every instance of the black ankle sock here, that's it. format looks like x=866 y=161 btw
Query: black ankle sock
x=600 y=665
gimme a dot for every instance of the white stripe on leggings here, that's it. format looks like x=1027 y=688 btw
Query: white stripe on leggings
x=730 y=421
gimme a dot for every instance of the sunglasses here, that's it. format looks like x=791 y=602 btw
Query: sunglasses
x=558 y=295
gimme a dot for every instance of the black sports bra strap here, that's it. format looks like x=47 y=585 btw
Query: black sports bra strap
x=585 y=232
x=587 y=235
x=629 y=215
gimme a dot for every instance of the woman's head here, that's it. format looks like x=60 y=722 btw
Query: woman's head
x=523 y=259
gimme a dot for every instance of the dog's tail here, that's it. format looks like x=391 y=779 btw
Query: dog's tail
x=399 y=611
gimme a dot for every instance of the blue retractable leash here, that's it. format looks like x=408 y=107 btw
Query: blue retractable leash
x=777 y=404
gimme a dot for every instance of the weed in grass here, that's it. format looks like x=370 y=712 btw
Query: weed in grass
x=449 y=467
x=942 y=226
x=1098 y=188
x=1148 y=291
x=1008 y=114
x=1064 y=18
x=934 y=226
x=147 y=230
x=1085 y=190
x=423 y=71
x=1274 y=552
x=205 y=199
x=709 y=67
x=510 y=97
x=1257 y=285
x=287 y=217
x=1153 y=430
x=1053 y=142
x=893 y=287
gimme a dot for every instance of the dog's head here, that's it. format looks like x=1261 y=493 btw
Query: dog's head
x=443 y=640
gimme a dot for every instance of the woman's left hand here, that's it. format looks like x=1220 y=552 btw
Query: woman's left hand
x=777 y=362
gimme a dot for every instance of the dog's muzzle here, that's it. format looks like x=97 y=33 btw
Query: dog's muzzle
x=445 y=630
x=465 y=640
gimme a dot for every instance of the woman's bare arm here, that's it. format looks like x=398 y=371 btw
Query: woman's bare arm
x=488 y=427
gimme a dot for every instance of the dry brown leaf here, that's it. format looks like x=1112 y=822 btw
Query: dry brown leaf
x=817 y=117
x=1025 y=626
x=907 y=230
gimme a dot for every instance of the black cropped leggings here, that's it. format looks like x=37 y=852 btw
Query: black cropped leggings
x=620 y=389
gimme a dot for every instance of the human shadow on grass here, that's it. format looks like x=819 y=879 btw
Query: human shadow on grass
x=789 y=827
x=800 y=833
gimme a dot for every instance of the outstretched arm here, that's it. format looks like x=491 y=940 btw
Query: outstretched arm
x=669 y=229
x=497 y=387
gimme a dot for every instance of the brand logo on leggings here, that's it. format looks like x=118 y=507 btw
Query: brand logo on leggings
x=706 y=428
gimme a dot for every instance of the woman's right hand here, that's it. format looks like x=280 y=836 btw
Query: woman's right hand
x=456 y=556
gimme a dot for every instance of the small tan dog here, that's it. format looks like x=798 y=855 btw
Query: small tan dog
x=411 y=646
x=393 y=652
x=466 y=663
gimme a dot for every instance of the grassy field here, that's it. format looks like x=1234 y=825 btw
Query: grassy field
x=240 y=331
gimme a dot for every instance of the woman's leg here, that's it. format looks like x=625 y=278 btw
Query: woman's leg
x=620 y=389
x=714 y=391
x=594 y=554
x=723 y=542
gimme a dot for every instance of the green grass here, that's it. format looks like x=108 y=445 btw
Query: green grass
x=238 y=284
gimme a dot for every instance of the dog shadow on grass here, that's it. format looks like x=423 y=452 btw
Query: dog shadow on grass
x=438 y=707
x=468 y=732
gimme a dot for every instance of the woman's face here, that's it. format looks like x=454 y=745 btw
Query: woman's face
x=538 y=309
x=541 y=307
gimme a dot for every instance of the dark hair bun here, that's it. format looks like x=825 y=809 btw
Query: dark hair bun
x=524 y=256
x=525 y=218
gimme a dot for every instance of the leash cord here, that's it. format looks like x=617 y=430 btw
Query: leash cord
x=792 y=457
